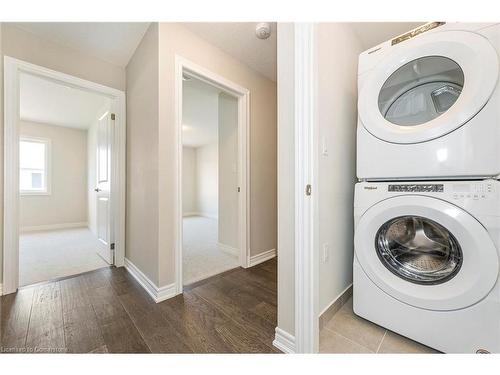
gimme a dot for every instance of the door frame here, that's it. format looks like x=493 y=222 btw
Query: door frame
x=12 y=70
x=306 y=136
x=184 y=66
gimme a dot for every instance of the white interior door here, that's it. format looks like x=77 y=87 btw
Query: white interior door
x=103 y=185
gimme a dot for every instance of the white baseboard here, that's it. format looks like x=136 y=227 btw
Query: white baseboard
x=202 y=214
x=158 y=294
x=1 y=290
x=262 y=257
x=37 y=228
x=284 y=341
x=228 y=249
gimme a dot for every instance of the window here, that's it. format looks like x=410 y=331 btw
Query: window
x=33 y=166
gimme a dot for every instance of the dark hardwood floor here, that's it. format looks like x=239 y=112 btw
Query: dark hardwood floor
x=107 y=311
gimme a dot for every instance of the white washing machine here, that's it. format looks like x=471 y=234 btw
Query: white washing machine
x=426 y=261
x=429 y=105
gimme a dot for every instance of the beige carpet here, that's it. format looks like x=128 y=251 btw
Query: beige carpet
x=201 y=257
x=48 y=255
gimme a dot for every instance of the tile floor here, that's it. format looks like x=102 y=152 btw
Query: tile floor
x=348 y=333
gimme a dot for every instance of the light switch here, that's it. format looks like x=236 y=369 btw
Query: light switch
x=326 y=252
x=324 y=146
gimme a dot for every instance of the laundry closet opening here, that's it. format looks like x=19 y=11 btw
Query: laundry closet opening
x=210 y=186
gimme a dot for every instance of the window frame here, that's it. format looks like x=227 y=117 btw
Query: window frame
x=48 y=165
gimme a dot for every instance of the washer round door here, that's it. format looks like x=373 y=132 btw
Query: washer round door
x=426 y=252
x=428 y=87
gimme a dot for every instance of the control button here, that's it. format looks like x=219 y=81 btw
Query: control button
x=476 y=197
x=483 y=196
x=455 y=196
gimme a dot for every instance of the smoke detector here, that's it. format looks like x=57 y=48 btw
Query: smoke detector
x=263 y=30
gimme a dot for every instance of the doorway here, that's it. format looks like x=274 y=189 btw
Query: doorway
x=213 y=183
x=64 y=175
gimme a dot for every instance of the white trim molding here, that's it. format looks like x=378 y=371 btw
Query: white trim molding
x=261 y=258
x=13 y=68
x=1 y=289
x=36 y=228
x=228 y=249
x=185 y=67
x=284 y=341
x=158 y=294
x=201 y=214
x=305 y=129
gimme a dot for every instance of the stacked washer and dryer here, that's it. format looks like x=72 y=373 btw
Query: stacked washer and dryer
x=427 y=205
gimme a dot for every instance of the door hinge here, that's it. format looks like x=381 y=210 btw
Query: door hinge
x=239 y=189
x=113 y=116
x=112 y=246
x=308 y=189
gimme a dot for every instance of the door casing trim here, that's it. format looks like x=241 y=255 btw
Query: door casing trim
x=184 y=66
x=12 y=70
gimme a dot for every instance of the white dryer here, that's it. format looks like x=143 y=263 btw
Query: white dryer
x=429 y=105
x=426 y=261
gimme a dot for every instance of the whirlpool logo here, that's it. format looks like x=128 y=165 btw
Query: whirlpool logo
x=370 y=188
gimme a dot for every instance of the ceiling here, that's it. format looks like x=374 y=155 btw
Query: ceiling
x=238 y=40
x=50 y=102
x=200 y=108
x=114 y=42
x=373 y=33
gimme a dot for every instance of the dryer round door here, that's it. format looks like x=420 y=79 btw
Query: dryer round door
x=428 y=87
x=426 y=252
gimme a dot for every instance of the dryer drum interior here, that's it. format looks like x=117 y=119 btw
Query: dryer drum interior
x=421 y=90
x=418 y=250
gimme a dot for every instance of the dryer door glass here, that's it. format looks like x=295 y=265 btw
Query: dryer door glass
x=418 y=250
x=421 y=90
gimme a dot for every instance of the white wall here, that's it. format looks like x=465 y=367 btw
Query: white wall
x=67 y=202
x=28 y=47
x=286 y=178
x=337 y=112
x=337 y=116
x=176 y=39
x=200 y=169
x=207 y=183
x=142 y=229
x=1 y=152
x=189 y=198
x=152 y=161
x=228 y=170
x=199 y=113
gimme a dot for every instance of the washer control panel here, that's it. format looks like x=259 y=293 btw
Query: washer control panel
x=472 y=191
x=416 y=188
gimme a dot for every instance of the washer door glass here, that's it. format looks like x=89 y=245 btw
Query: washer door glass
x=421 y=90
x=418 y=250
